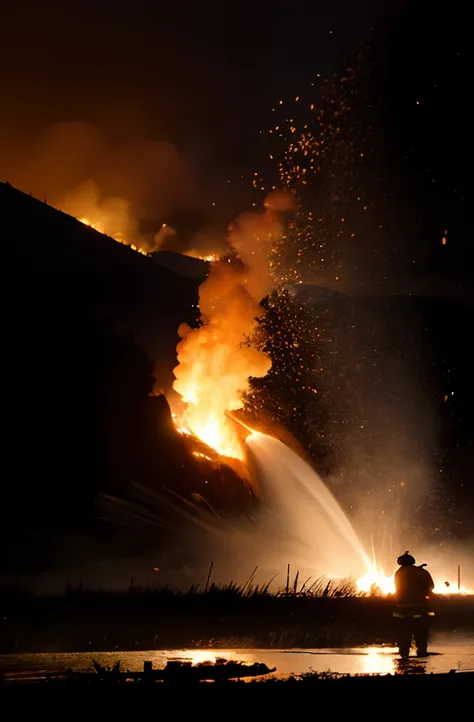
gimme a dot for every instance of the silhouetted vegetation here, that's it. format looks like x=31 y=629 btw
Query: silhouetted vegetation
x=231 y=615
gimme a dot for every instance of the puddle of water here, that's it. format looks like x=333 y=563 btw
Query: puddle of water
x=359 y=660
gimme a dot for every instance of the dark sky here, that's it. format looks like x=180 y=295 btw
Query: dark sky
x=189 y=74
x=205 y=80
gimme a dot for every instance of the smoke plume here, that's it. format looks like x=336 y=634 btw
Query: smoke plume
x=216 y=360
x=126 y=187
x=113 y=216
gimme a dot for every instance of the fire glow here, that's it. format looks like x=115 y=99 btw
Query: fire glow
x=223 y=359
x=112 y=216
x=98 y=226
x=216 y=359
x=376 y=580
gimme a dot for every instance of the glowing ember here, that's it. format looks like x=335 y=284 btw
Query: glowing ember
x=201 y=455
x=209 y=257
x=216 y=359
x=179 y=428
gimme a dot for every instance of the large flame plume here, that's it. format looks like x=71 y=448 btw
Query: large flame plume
x=216 y=359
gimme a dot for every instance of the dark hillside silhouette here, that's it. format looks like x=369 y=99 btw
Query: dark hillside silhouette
x=118 y=285
x=89 y=328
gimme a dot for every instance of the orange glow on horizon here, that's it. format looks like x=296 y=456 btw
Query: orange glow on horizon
x=101 y=228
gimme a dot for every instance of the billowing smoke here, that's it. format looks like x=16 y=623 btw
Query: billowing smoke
x=216 y=360
x=166 y=239
x=113 y=215
x=126 y=187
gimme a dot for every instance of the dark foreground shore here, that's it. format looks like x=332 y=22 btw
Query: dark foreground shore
x=342 y=692
x=147 y=620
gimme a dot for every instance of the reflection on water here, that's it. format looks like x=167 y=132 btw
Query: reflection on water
x=359 y=660
x=375 y=661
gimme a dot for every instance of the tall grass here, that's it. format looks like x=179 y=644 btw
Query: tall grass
x=307 y=588
x=320 y=587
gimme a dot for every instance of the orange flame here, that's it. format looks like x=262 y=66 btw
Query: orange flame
x=376 y=579
x=216 y=359
x=112 y=216
x=98 y=226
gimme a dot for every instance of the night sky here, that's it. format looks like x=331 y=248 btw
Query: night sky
x=206 y=80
